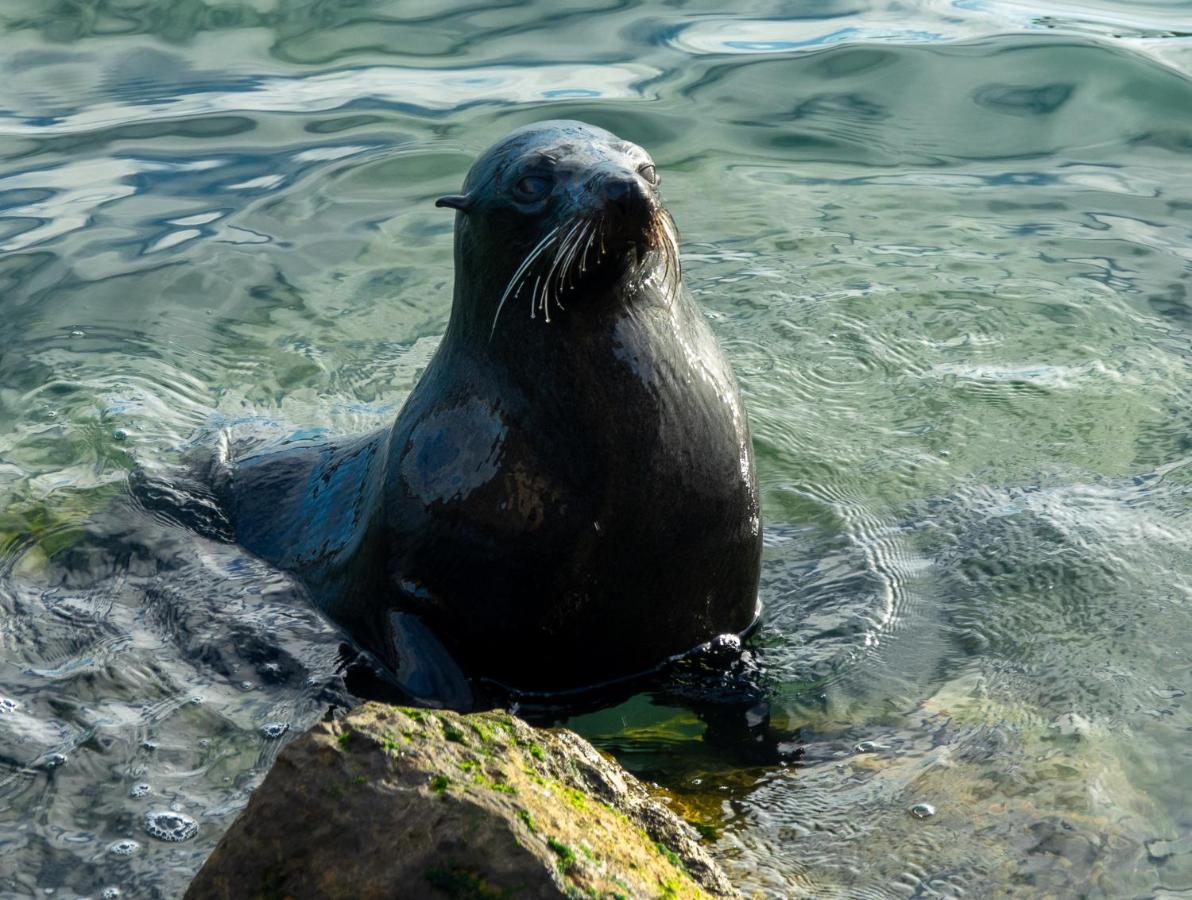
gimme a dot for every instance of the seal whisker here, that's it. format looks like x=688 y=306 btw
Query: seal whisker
x=669 y=250
x=534 y=294
x=583 y=260
x=516 y=277
x=570 y=268
x=655 y=248
x=567 y=274
x=560 y=281
x=544 y=299
x=567 y=257
x=597 y=231
x=672 y=278
x=559 y=248
x=585 y=237
x=674 y=265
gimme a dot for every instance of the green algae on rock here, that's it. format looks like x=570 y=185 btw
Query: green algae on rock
x=400 y=802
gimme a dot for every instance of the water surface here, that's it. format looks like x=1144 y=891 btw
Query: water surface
x=946 y=245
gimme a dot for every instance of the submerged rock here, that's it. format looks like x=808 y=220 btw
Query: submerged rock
x=397 y=802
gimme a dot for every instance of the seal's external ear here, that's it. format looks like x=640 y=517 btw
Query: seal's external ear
x=462 y=202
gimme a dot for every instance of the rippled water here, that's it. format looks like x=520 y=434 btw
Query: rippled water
x=946 y=245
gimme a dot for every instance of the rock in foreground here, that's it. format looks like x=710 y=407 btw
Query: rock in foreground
x=394 y=802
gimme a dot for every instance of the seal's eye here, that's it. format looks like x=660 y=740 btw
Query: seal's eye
x=649 y=173
x=532 y=187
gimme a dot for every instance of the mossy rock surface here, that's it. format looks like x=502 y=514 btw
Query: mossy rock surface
x=398 y=802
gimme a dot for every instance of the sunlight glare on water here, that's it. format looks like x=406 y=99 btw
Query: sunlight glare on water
x=946 y=246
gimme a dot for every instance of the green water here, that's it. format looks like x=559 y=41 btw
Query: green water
x=947 y=248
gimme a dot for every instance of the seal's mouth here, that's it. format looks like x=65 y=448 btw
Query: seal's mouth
x=583 y=247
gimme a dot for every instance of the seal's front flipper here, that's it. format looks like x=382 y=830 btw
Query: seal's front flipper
x=423 y=666
x=724 y=685
x=367 y=678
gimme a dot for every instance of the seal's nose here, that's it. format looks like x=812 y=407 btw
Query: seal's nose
x=626 y=195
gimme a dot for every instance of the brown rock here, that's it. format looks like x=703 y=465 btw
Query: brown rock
x=405 y=803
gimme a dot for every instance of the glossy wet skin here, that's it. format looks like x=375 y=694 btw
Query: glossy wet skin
x=568 y=496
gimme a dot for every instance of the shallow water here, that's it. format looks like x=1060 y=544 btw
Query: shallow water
x=946 y=246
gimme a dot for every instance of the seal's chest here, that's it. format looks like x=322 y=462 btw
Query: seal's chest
x=636 y=422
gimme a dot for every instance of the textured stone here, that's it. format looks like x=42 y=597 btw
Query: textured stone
x=395 y=802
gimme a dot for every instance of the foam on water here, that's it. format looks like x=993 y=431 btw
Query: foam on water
x=166 y=825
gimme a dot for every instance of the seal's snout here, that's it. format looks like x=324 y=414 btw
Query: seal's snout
x=581 y=209
x=625 y=196
x=625 y=205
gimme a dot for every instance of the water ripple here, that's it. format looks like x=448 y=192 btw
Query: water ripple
x=430 y=90
x=945 y=245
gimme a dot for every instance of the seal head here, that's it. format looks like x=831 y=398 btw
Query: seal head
x=576 y=213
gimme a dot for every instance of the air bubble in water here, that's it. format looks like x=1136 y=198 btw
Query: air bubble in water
x=166 y=825
x=54 y=761
x=126 y=847
x=866 y=747
x=922 y=810
x=275 y=729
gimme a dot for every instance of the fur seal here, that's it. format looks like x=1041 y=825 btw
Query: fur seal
x=568 y=496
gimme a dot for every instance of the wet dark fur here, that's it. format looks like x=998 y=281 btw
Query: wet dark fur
x=568 y=496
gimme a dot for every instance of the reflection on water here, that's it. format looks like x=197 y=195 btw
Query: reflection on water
x=384 y=86
x=1134 y=24
x=946 y=245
